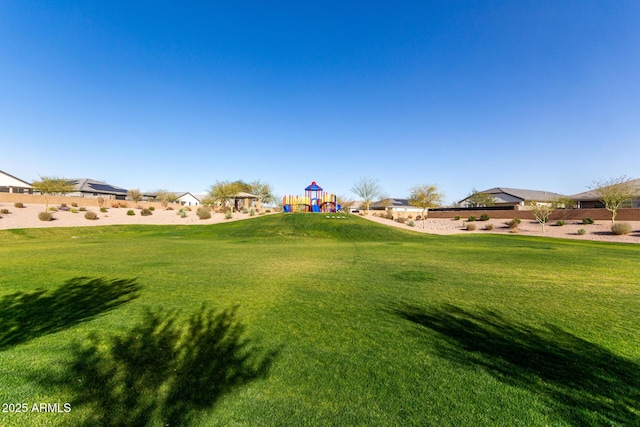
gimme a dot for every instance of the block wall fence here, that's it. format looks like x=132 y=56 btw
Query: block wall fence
x=38 y=199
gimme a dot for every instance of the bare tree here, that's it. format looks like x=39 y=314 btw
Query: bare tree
x=344 y=203
x=135 y=194
x=425 y=197
x=165 y=197
x=368 y=190
x=615 y=193
x=50 y=186
x=541 y=211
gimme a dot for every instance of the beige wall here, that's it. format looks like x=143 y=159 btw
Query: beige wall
x=37 y=199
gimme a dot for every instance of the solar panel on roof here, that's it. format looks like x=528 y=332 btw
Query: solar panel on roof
x=105 y=187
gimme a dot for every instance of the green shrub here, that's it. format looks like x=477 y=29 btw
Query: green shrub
x=53 y=209
x=228 y=215
x=182 y=213
x=45 y=216
x=268 y=211
x=484 y=217
x=91 y=215
x=457 y=217
x=471 y=218
x=103 y=209
x=74 y=210
x=620 y=228
x=559 y=223
x=410 y=223
x=152 y=208
x=245 y=210
x=488 y=227
x=83 y=209
x=252 y=212
x=587 y=220
x=513 y=223
x=203 y=212
x=582 y=231
x=471 y=226
x=131 y=212
x=146 y=212
x=18 y=205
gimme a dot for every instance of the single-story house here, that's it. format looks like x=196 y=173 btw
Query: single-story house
x=11 y=184
x=503 y=196
x=400 y=207
x=589 y=199
x=85 y=187
x=187 y=199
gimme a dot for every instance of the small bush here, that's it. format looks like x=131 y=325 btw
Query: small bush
x=252 y=212
x=587 y=221
x=471 y=226
x=91 y=215
x=5 y=211
x=268 y=211
x=103 y=210
x=146 y=212
x=457 y=217
x=410 y=223
x=488 y=227
x=559 y=223
x=228 y=215
x=83 y=209
x=401 y=220
x=45 y=216
x=74 y=210
x=484 y=217
x=53 y=209
x=152 y=208
x=74 y=205
x=471 y=218
x=513 y=223
x=131 y=212
x=203 y=212
x=621 y=228
x=182 y=213
x=245 y=210
x=63 y=205
x=18 y=205
x=582 y=231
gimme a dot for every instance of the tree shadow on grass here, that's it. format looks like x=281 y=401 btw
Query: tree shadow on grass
x=25 y=316
x=588 y=384
x=162 y=369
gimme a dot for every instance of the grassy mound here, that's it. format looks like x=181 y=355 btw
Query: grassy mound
x=302 y=320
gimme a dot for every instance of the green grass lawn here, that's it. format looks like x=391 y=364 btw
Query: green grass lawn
x=295 y=319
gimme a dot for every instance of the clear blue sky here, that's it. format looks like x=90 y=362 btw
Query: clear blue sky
x=541 y=95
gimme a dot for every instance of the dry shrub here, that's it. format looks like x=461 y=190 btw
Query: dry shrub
x=621 y=228
x=91 y=215
x=203 y=212
x=45 y=216
x=471 y=226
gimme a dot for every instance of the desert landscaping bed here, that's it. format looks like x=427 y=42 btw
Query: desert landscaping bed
x=598 y=231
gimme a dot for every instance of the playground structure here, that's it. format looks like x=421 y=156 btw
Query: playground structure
x=315 y=199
